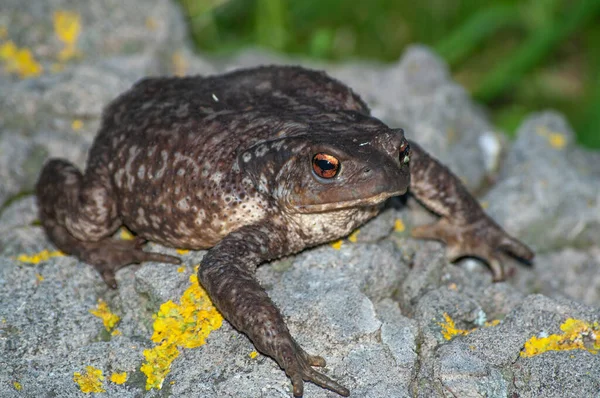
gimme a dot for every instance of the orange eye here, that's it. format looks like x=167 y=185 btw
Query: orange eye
x=405 y=152
x=325 y=166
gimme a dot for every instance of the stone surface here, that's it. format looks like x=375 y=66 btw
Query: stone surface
x=553 y=183
x=377 y=307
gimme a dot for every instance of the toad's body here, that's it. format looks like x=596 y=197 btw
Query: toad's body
x=185 y=156
x=256 y=164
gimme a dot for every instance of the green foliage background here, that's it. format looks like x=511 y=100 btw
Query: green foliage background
x=514 y=56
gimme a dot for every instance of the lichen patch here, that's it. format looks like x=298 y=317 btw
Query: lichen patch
x=449 y=329
x=19 y=61
x=176 y=326
x=125 y=234
x=90 y=381
x=67 y=27
x=36 y=258
x=119 y=378
x=353 y=237
x=337 y=245
x=576 y=335
x=103 y=312
x=399 y=225
x=555 y=139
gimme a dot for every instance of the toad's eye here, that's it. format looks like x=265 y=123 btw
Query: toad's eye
x=404 y=152
x=325 y=166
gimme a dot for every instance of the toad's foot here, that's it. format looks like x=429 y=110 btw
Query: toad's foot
x=110 y=255
x=298 y=367
x=482 y=238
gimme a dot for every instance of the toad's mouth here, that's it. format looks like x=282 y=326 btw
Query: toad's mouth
x=361 y=202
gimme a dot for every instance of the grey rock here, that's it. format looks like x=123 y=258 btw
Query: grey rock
x=462 y=374
x=19 y=213
x=571 y=376
x=118 y=44
x=399 y=334
x=569 y=273
x=553 y=183
x=374 y=309
x=108 y=28
x=377 y=269
x=20 y=161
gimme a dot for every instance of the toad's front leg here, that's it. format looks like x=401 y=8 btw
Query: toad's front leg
x=463 y=226
x=227 y=272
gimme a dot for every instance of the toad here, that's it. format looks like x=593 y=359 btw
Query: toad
x=253 y=165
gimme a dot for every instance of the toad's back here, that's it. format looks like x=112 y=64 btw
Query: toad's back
x=182 y=105
x=169 y=146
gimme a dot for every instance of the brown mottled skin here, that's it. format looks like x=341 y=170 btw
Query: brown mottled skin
x=226 y=162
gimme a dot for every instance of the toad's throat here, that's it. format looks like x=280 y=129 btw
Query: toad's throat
x=361 y=202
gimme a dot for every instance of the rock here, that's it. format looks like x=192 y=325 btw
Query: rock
x=568 y=273
x=389 y=314
x=464 y=375
x=153 y=28
x=58 y=113
x=553 y=183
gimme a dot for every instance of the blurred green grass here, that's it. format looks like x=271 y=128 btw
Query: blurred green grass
x=514 y=56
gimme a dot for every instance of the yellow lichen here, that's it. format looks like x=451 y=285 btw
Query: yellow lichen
x=39 y=277
x=125 y=234
x=253 y=354
x=181 y=269
x=36 y=258
x=118 y=378
x=556 y=140
x=449 y=329
x=151 y=23
x=182 y=251
x=577 y=335
x=179 y=63
x=77 y=124
x=90 y=381
x=184 y=325
x=17 y=386
x=337 y=245
x=116 y=332
x=354 y=236
x=103 y=312
x=19 y=60
x=484 y=204
x=399 y=226
x=67 y=27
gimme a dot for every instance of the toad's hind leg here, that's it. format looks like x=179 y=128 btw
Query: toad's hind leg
x=79 y=215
